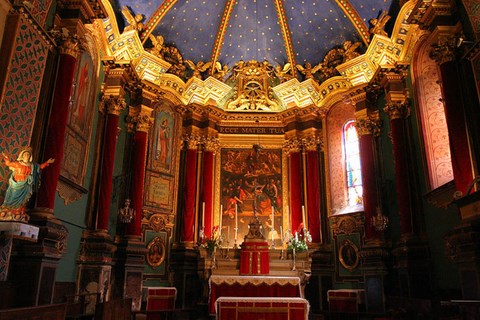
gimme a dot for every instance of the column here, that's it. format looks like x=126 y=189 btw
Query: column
x=368 y=128
x=140 y=116
x=312 y=183
x=444 y=54
x=113 y=106
x=292 y=147
x=58 y=122
x=190 y=184
x=211 y=146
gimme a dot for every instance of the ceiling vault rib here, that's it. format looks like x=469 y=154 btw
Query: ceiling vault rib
x=155 y=19
x=222 y=28
x=355 y=19
x=287 y=38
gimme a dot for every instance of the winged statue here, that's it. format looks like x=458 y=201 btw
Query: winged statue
x=134 y=22
x=219 y=72
x=198 y=68
x=308 y=71
x=379 y=24
x=158 y=45
x=351 y=50
x=283 y=73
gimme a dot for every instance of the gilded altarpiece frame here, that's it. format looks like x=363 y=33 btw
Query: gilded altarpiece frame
x=78 y=131
x=252 y=175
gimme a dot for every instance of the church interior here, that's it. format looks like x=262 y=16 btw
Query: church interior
x=239 y=159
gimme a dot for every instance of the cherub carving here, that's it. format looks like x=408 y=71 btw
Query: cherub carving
x=308 y=71
x=198 y=68
x=135 y=22
x=283 y=73
x=350 y=50
x=219 y=72
x=158 y=45
x=379 y=24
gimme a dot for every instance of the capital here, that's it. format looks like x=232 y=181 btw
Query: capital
x=192 y=141
x=211 y=144
x=292 y=145
x=312 y=143
x=397 y=110
x=444 y=50
x=67 y=43
x=113 y=104
x=139 y=119
x=368 y=123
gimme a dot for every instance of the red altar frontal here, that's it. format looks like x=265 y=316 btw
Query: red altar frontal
x=254 y=258
x=247 y=308
x=252 y=286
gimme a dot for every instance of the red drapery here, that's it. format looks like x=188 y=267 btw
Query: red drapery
x=109 y=146
x=295 y=190
x=57 y=125
x=208 y=158
x=267 y=309
x=401 y=175
x=457 y=131
x=138 y=180
x=313 y=196
x=370 y=196
x=189 y=195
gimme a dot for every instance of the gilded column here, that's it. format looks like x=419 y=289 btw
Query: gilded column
x=211 y=146
x=292 y=147
x=444 y=54
x=368 y=128
x=189 y=195
x=397 y=111
x=312 y=182
x=58 y=121
x=113 y=106
x=141 y=119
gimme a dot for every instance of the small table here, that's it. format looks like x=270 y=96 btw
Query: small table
x=267 y=308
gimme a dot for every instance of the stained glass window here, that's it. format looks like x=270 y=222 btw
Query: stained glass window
x=352 y=164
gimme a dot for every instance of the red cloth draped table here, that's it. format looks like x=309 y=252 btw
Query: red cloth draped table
x=346 y=300
x=248 y=308
x=252 y=286
x=254 y=258
x=160 y=300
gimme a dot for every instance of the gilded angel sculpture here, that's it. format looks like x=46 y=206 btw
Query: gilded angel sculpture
x=198 y=68
x=379 y=24
x=135 y=22
x=308 y=71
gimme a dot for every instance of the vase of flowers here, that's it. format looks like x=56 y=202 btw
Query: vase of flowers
x=212 y=242
x=298 y=242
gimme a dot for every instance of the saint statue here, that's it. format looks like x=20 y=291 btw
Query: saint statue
x=23 y=181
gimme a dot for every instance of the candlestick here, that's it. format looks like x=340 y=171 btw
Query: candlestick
x=236 y=224
x=303 y=217
x=273 y=218
x=221 y=215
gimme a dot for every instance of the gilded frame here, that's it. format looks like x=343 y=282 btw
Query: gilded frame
x=348 y=255
x=156 y=252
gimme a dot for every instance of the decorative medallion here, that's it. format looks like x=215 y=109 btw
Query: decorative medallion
x=348 y=255
x=156 y=252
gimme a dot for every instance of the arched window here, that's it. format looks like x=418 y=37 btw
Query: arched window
x=352 y=164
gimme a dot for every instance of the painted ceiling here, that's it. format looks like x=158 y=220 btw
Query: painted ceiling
x=279 y=31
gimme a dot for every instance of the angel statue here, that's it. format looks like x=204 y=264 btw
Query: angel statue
x=350 y=50
x=308 y=71
x=379 y=24
x=283 y=73
x=198 y=68
x=158 y=45
x=24 y=180
x=135 y=22
x=219 y=72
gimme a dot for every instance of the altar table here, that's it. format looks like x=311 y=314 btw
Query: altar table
x=252 y=286
x=248 y=308
x=254 y=258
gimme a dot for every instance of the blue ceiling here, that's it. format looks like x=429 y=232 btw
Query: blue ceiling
x=228 y=31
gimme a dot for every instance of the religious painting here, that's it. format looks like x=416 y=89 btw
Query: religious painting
x=163 y=136
x=79 y=123
x=347 y=256
x=251 y=187
x=159 y=191
x=156 y=252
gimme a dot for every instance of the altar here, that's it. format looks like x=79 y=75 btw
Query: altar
x=252 y=286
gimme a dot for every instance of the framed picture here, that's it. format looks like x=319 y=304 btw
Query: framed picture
x=159 y=191
x=348 y=255
x=156 y=252
x=163 y=137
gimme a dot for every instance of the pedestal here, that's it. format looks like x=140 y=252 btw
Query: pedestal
x=321 y=279
x=184 y=263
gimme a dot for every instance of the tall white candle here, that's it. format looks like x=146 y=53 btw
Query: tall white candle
x=236 y=221
x=203 y=214
x=221 y=215
x=273 y=218
x=281 y=233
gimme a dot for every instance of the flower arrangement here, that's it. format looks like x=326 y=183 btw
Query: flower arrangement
x=214 y=241
x=299 y=242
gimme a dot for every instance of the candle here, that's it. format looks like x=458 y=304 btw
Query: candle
x=303 y=216
x=281 y=233
x=273 y=218
x=288 y=218
x=203 y=214
x=221 y=215
x=236 y=222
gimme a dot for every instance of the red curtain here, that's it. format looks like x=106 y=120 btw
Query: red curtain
x=370 y=196
x=138 y=181
x=313 y=196
x=208 y=159
x=189 y=196
x=295 y=190
x=109 y=145
x=401 y=175
x=57 y=125
x=457 y=131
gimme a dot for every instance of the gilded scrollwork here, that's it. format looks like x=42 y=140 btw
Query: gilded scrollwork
x=347 y=224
